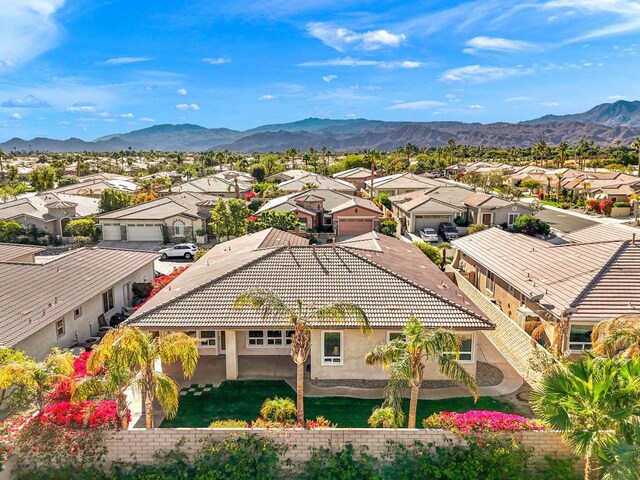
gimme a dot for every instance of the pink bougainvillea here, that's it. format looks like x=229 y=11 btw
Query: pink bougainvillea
x=91 y=414
x=162 y=281
x=480 y=421
x=249 y=195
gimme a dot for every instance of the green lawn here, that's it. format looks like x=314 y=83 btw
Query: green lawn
x=242 y=400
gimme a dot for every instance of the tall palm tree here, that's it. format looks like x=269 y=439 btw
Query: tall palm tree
x=636 y=146
x=563 y=148
x=136 y=350
x=444 y=246
x=559 y=178
x=111 y=384
x=303 y=317
x=592 y=402
x=37 y=377
x=406 y=356
x=617 y=337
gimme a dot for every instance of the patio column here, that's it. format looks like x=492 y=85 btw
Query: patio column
x=231 y=355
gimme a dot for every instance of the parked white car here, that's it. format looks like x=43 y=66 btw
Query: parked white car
x=429 y=234
x=182 y=250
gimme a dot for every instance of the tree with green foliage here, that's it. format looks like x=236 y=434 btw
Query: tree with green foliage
x=10 y=230
x=406 y=357
x=593 y=402
x=278 y=409
x=64 y=181
x=84 y=227
x=530 y=184
x=383 y=199
x=113 y=199
x=12 y=364
x=258 y=172
x=286 y=221
x=229 y=217
x=430 y=251
x=303 y=318
x=43 y=178
x=530 y=225
x=476 y=227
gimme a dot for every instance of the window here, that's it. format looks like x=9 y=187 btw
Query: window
x=303 y=224
x=178 y=229
x=466 y=348
x=331 y=348
x=269 y=338
x=77 y=312
x=326 y=220
x=579 y=338
x=60 y=328
x=490 y=282
x=393 y=335
x=512 y=218
x=207 y=338
x=107 y=300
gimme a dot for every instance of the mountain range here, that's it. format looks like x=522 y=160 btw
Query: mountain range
x=603 y=124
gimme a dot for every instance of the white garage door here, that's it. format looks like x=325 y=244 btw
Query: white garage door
x=144 y=233
x=432 y=221
x=110 y=232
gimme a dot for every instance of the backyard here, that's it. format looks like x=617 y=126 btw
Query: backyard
x=242 y=399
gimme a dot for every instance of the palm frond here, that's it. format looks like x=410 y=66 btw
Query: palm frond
x=451 y=369
x=386 y=354
x=342 y=312
x=179 y=346
x=269 y=304
x=167 y=393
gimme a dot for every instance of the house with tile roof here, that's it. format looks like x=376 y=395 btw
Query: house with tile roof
x=212 y=185
x=301 y=183
x=583 y=282
x=177 y=217
x=19 y=253
x=399 y=183
x=328 y=211
x=360 y=177
x=62 y=302
x=49 y=212
x=389 y=279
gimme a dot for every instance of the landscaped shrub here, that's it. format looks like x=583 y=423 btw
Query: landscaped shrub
x=593 y=205
x=480 y=421
x=385 y=417
x=460 y=221
x=244 y=458
x=172 y=465
x=278 y=409
x=476 y=227
x=388 y=227
x=430 y=251
x=557 y=469
x=622 y=204
x=65 y=472
x=162 y=281
x=229 y=424
x=530 y=225
x=344 y=464
x=605 y=207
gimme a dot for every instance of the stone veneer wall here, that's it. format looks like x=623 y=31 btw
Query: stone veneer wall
x=140 y=445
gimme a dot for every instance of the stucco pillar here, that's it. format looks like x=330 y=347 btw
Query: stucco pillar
x=231 y=355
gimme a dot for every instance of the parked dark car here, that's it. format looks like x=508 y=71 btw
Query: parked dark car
x=448 y=231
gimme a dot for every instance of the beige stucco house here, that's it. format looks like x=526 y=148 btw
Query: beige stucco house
x=389 y=279
x=59 y=303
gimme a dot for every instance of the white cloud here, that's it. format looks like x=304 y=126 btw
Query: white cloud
x=188 y=106
x=497 y=44
x=419 y=105
x=126 y=115
x=82 y=107
x=29 y=28
x=341 y=38
x=216 y=61
x=267 y=97
x=351 y=115
x=518 y=98
x=476 y=106
x=126 y=60
x=329 y=78
x=181 y=91
x=480 y=73
x=550 y=104
x=25 y=102
x=147 y=119
x=358 y=62
x=16 y=116
x=616 y=97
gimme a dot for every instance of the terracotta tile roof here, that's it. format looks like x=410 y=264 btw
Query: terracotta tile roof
x=211 y=185
x=357 y=202
x=389 y=279
x=161 y=208
x=402 y=181
x=320 y=181
x=39 y=294
x=11 y=251
x=448 y=197
x=330 y=200
x=603 y=232
x=36 y=206
x=485 y=200
x=561 y=273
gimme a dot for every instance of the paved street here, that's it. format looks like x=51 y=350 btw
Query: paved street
x=563 y=220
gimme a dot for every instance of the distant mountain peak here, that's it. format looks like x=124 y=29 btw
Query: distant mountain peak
x=621 y=113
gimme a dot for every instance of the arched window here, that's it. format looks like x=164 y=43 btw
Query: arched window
x=178 y=229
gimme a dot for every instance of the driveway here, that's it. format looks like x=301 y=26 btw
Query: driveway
x=143 y=246
x=563 y=221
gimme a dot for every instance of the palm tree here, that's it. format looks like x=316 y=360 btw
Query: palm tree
x=563 y=148
x=38 y=377
x=617 y=337
x=636 y=146
x=559 y=178
x=113 y=383
x=138 y=351
x=552 y=330
x=303 y=318
x=406 y=356
x=444 y=246
x=592 y=402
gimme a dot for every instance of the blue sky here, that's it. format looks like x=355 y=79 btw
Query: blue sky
x=86 y=68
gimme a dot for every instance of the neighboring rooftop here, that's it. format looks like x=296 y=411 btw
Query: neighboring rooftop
x=36 y=206
x=211 y=184
x=391 y=280
x=39 y=294
x=9 y=252
x=177 y=204
x=603 y=232
x=319 y=181
x=405 y=181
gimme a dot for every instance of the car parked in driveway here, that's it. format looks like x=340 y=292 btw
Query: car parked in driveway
x=448 y=231
x=428 y=234
x=181 y=250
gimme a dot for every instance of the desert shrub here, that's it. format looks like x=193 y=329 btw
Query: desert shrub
x=383 y=199
x=244 y=458
x=344 y=464
x=385 y=417
x=231 y=423
x=530 y=225
x=476 y=227
x=278 y=409
x=593 y=205
x=65 y=472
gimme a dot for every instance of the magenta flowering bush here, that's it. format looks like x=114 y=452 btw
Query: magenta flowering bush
x=480 y=421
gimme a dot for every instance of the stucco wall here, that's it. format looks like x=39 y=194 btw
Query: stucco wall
x=39 y=344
